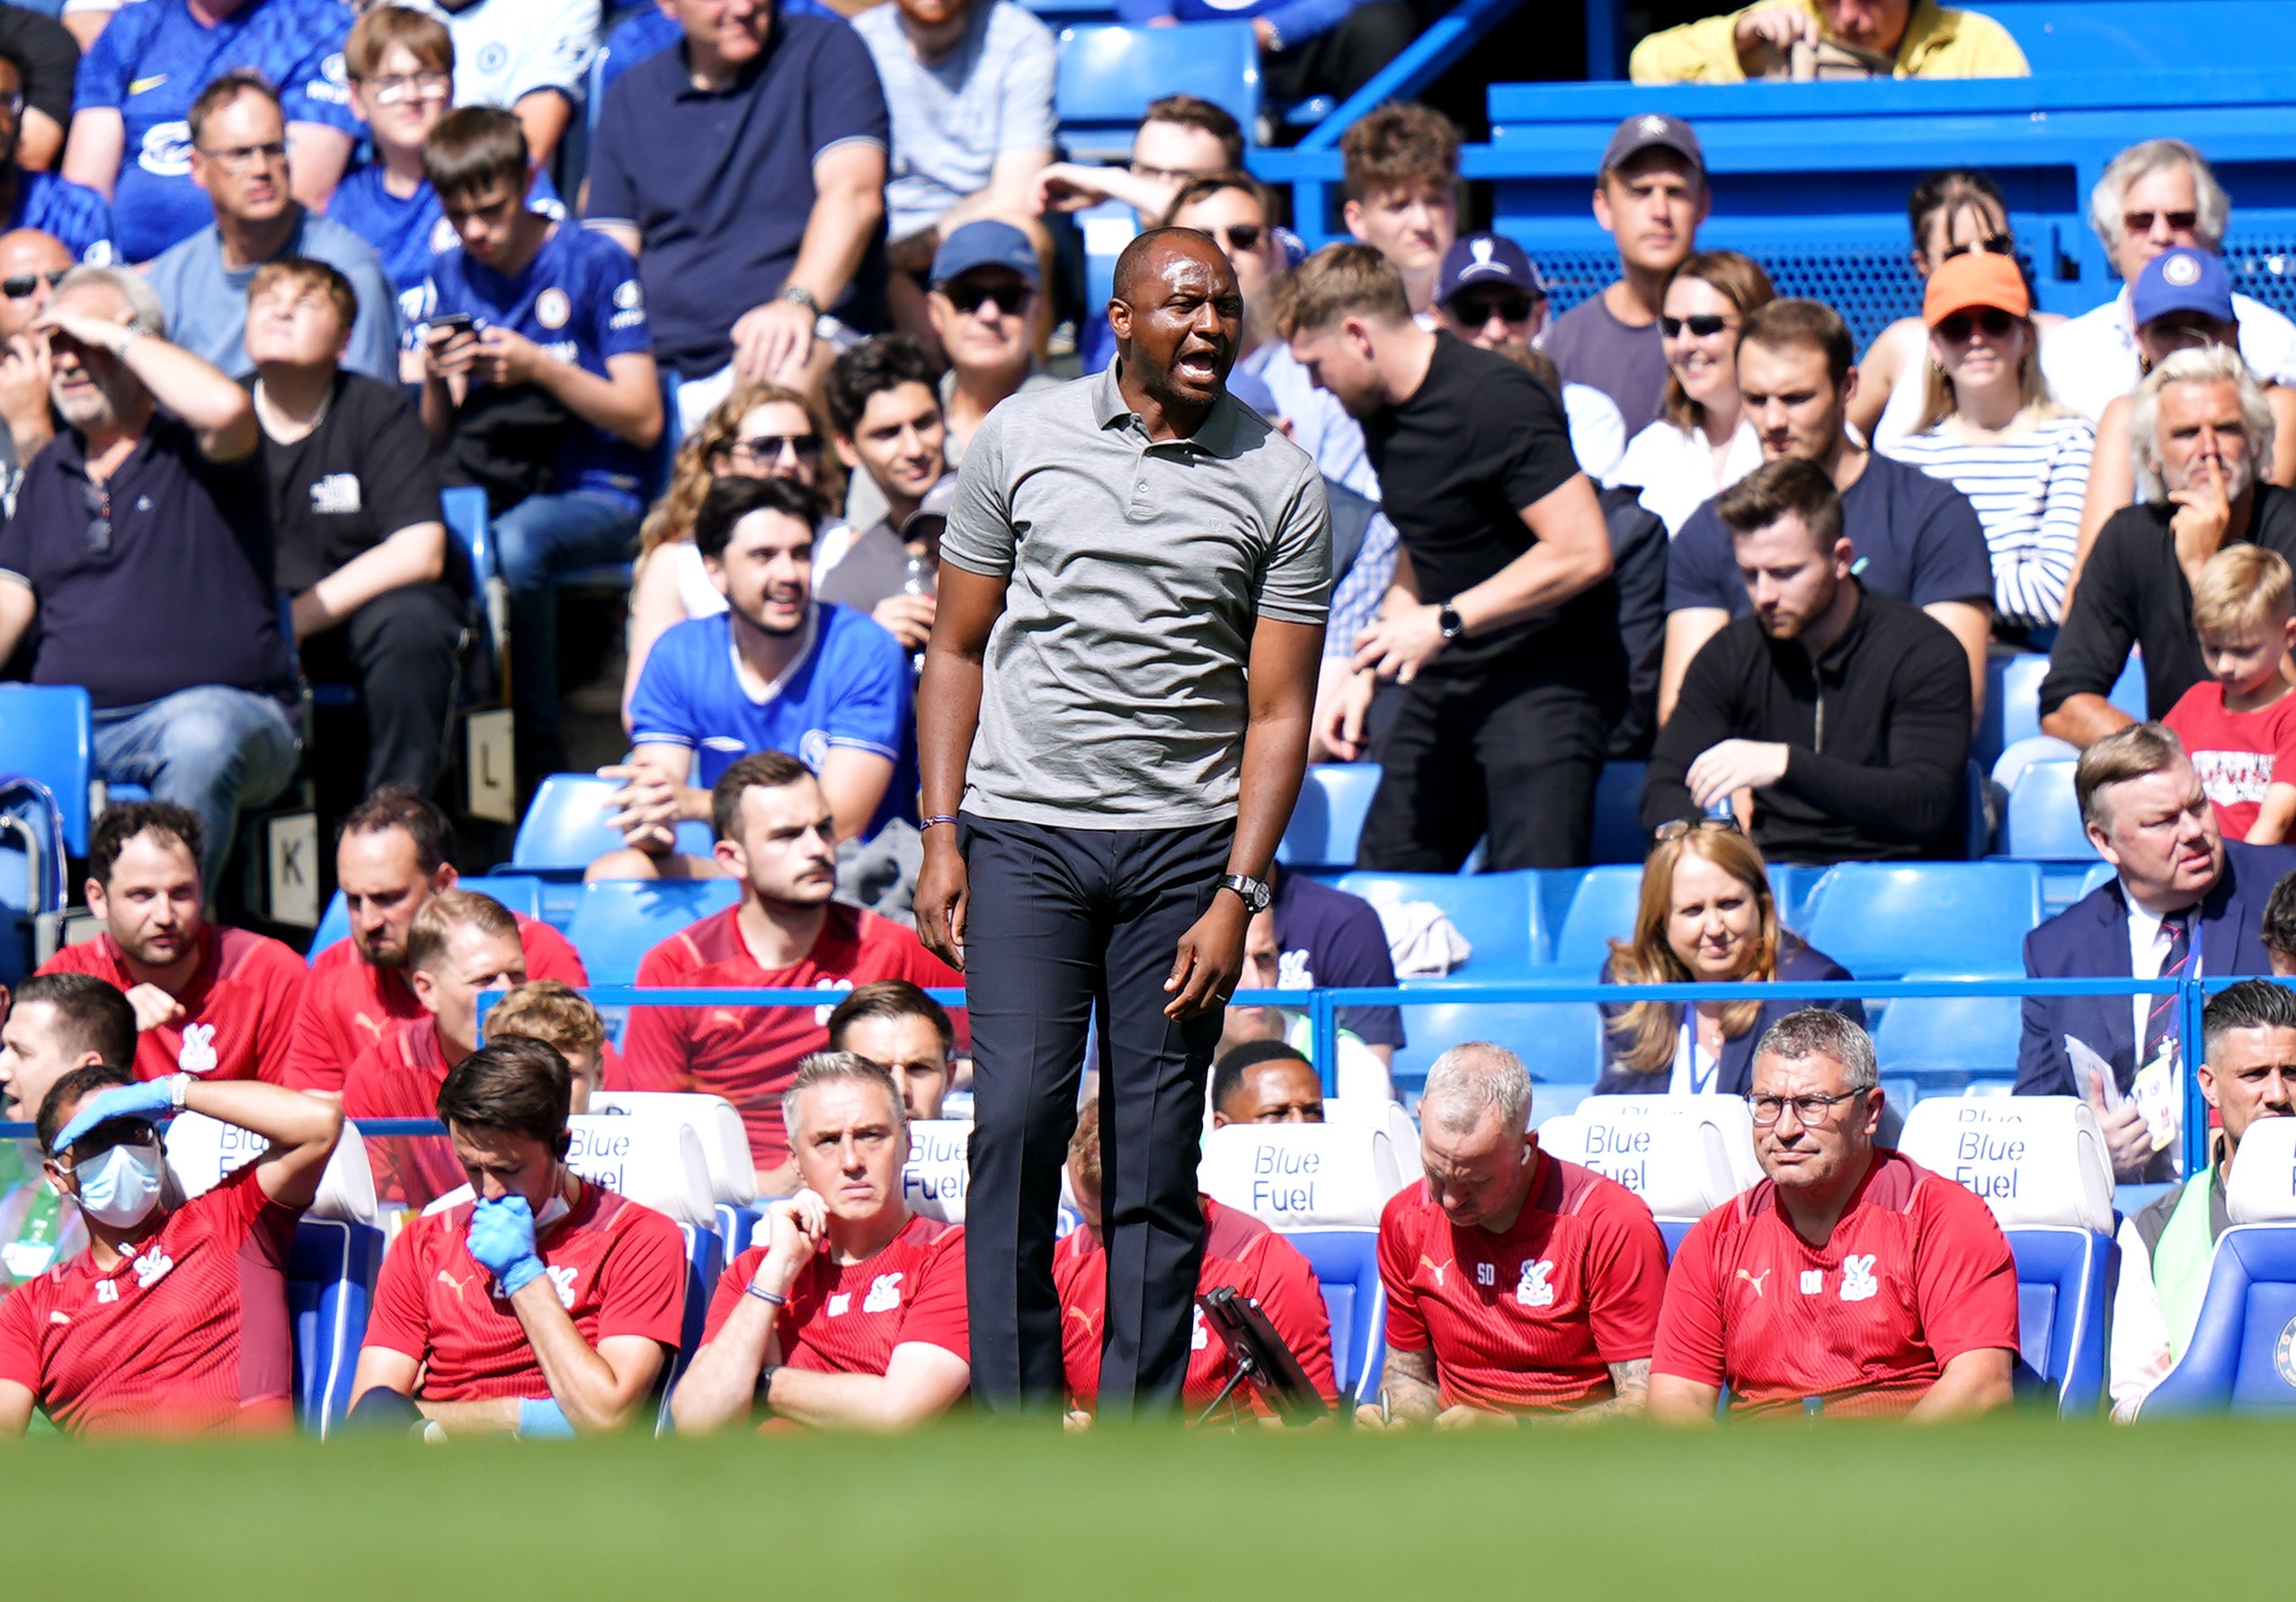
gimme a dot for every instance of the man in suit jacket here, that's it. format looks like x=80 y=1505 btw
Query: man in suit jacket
x=2183 y=902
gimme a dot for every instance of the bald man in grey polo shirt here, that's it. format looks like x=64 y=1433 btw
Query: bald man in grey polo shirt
x=1104 y=789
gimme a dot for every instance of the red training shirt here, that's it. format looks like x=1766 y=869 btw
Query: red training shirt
x=848 y=1319
x=750 y=1054
x=620 y=1269
x=1241 y=1252
x=1915 y=1273
x=187 y=1336
x=2236 y=755
x=349 y=1004
x=1529 y=1320
x=398 y=1077
x=237 y=1009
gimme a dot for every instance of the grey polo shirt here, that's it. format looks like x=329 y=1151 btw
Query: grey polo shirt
x=1113 y=690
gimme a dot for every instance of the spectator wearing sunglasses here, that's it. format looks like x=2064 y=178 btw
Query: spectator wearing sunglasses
x=985 y=281
x=1885 y=683
x=1951 y=213
x=1705 y=442
x=31 y=265
x=2153 y=197
x=32 y=196
x=239 y=160
x=2181 y=300
x=147 y=521
x=1706 y=916
x=885 y=412
x=760 y=431
x=1989 y=427
x=1489 y=293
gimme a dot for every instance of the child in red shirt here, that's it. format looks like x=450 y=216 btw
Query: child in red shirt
x=2239 y=725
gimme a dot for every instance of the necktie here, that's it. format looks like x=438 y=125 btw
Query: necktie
x=2161 y=1020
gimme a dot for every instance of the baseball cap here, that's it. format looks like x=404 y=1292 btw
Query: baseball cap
x=1977 y=279
x=1487 y=259
x=985 y=243
x=1652 y=130
x=2182 y=279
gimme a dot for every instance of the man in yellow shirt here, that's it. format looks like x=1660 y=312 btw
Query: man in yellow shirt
x=1904 y=39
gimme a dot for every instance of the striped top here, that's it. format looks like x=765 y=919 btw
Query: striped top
x=2027 y=492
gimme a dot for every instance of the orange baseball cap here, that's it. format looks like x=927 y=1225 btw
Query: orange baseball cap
x=1976 y=278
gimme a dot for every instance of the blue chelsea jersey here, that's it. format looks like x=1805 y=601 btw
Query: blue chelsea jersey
x=409 y=234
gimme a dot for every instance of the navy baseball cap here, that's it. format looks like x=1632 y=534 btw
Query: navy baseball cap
x=2182 y=279
x=984 y=244
x=1487 y=259
x=1652 y=130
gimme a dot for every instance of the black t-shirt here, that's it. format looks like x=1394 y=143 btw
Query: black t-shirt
x=1479 y=441
x=351 y=483
x=51 y=59
x=176 y=593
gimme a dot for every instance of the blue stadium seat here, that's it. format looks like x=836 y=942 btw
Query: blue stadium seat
x=2068 y=37
x=1948 y=1041
x=330 y=1288
x=566 y=828
x=1618 y=813
x=2043 y=821
x=1561 y=1042
x=1346 y=1266
x=521 y=893
x=47 y=732
x=2061 y=1278
x=1790 y=884
x=1498 y=913
x=465 y=506
x=2241 y=1357
x=2020 y=754
x=2012 y=703
x=1329 y=815
x=1602 y=909
x=1881 y=920
x=1108 y=75
x=617 y=921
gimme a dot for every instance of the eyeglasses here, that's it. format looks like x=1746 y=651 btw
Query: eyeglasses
x=406 y=86
x=1996 y=323
x=97 y=499
x=2141 y=222
x=1676 y=828
x=1009 y=298
x=1992 y=244
x=1475 y=310
x=1705 y=325
x=24 y=285
x=763 y=450
x=1809 y=1111
x=238 y=158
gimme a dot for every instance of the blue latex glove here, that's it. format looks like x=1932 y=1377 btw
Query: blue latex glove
x=502 y=1238
x=543 y=1420
x=151 y=1100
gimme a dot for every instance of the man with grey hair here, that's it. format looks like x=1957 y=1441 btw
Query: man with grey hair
x=852 y=1314
x=146 y=524
x=2181 y=900
x=2201 y=434
x=1851 y=1279
x=1517 y=1283
x=2153 y=196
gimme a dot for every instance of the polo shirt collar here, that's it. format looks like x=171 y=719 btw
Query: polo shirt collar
x=743 y=82
x=71 y=448
x=1220 y=433
x=1931 y=27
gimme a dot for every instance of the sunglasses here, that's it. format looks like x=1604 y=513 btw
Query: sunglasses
x=1009 y=298
x=1996 y=323
x=1992 y=244
x=23 y=285
x=1705 y=325
x=765 y=450
x=97 y=499
x=2141 y=222
x=1475 y=310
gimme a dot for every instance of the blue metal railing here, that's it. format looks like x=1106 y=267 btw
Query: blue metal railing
x=1322 y=1008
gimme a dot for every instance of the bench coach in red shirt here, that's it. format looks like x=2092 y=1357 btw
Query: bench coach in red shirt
x=1850 y=1279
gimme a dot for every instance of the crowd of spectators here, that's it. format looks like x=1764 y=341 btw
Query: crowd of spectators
x=277 y=276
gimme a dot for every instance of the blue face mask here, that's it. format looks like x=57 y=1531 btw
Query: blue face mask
x=120 y=1187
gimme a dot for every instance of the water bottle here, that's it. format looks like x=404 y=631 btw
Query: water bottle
x=1719 y=810
x=918 y=576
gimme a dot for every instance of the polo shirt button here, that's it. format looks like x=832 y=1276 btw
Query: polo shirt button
x=1144 y=486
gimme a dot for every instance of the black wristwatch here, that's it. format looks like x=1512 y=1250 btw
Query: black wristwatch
x=1256 y=893
x=1449 y=620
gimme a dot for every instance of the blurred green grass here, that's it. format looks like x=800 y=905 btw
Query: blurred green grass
x=2019 y=1507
